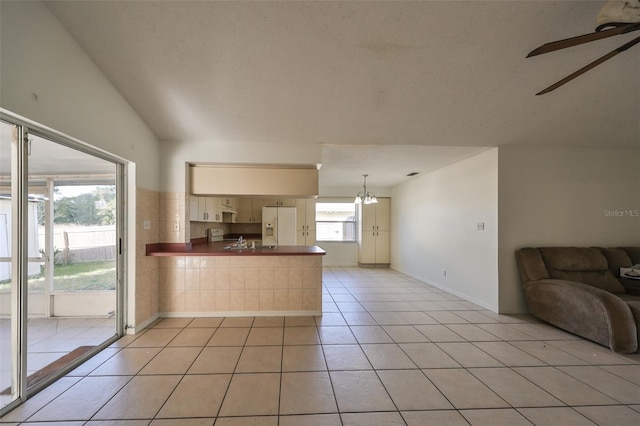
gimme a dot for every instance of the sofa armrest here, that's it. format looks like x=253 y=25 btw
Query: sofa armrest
x=584 y=310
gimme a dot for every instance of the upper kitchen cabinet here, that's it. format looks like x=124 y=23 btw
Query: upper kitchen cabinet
x=306 y=221
x=209 y=209
x=249 y=210
x=374 y=233
x=194 y=215
x=375 y=217
x=279 y=202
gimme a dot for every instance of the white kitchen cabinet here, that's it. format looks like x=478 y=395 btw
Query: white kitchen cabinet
x=374 y=248
x=257 y=210
x=305 y=238
x=209 y=209
x=374 y=233
x=375 y=217
x=249 y=210
x=279 y=202
x=306 y=221
x=245 y=210
x=193 y=208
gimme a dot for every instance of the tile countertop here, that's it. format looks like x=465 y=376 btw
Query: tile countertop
x=203 y=248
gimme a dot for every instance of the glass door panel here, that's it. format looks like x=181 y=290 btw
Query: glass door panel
x=72 y=256
x=8 y=344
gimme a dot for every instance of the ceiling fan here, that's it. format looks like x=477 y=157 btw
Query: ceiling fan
x=615 y=18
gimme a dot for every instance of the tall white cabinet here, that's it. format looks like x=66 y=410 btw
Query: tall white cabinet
x=374 y=233
x=306 y=221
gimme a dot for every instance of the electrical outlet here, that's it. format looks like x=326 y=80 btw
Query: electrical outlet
x=146 y=224
x=444 y=272
x=480 y=226
x=176 y=227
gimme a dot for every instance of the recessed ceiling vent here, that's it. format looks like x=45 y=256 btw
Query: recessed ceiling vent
x=413 y=173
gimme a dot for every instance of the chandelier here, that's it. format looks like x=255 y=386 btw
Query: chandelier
x=365 y=197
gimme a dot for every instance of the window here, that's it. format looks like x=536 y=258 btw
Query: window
x=336 y=221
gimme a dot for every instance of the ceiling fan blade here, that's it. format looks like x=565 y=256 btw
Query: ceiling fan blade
x=586 y=38
x=590 y=66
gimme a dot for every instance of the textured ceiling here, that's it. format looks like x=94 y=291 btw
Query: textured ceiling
x=352 y=75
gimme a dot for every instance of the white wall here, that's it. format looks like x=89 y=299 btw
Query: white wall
x=73 y=96
x=434 y=221
x=560 y=197
x=351 y=191
x=339 y=253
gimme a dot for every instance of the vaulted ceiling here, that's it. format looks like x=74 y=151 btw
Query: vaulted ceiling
x=393 y=86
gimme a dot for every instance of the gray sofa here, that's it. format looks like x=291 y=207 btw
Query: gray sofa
x=579 y=289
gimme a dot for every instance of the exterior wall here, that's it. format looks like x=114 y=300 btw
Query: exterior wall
x=240 y=285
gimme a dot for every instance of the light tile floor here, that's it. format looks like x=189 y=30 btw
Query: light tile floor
x=388 y=350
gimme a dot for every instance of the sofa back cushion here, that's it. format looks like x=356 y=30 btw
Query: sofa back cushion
x=581 y=264
x=616 y=258
x=633 y=253
x=531 y=265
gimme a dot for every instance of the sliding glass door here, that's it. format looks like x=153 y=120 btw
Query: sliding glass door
x=61 y=261
x=9 y=345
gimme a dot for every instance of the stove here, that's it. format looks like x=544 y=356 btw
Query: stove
x=216 y=235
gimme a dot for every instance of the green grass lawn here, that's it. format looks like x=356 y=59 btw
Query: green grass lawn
x=75 y=277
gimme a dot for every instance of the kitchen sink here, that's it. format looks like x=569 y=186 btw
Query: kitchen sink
x=246 y=245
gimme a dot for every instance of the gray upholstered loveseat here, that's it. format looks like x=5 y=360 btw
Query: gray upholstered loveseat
x=579 y=290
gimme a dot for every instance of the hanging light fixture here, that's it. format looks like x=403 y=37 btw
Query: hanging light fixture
x=365 y=197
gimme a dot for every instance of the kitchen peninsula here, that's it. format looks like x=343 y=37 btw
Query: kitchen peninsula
x=203 y=278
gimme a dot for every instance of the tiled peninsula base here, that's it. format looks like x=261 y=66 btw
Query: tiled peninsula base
x=199 y=286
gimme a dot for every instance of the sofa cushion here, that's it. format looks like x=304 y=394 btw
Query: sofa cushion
x=581 y=264
x=531 y=265
x=616 y=258
x=633 y=253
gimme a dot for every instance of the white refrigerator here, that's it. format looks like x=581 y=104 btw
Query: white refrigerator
x=279 y=226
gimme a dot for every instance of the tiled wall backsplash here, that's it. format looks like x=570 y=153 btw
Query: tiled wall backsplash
x=199 y=229
x=147 y=271
x=173 y=211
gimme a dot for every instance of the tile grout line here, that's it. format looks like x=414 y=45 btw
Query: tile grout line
x=186 y=370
